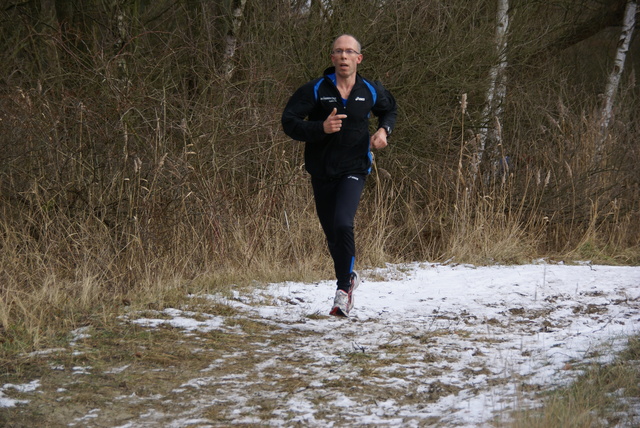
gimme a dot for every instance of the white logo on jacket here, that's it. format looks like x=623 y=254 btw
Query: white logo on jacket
x=360 y=99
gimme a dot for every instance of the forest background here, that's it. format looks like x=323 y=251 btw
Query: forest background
x=142 y=153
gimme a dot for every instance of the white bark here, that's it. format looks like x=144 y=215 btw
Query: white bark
x=231 y=40
x=492 y=113
x=618 y=67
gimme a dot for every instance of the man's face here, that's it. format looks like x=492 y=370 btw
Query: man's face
x=347 y=58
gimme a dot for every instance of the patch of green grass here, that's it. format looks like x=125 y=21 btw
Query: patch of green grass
x=594 y=399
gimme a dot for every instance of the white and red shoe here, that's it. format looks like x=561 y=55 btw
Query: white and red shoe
x=343 y=302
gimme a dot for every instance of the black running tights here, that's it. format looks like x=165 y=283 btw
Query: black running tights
x=336 y=204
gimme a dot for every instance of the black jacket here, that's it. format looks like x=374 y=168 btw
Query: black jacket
x=347 y=151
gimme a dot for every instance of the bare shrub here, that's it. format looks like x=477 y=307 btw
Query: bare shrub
x=134 y=166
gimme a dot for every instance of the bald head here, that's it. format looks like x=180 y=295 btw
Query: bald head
x=347 y=37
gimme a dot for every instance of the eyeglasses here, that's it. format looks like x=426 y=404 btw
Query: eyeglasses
x=345 y=51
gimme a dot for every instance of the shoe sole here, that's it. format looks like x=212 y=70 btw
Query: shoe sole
x=337 y=312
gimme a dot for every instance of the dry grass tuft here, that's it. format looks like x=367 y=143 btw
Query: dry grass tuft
x=599 y=397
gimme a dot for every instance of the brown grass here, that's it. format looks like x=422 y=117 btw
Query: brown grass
x=595 y=399
x=133 y=177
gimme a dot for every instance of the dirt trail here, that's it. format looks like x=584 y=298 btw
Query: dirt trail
x=411 y=355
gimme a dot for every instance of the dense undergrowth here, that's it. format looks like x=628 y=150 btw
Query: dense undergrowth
x=136 y=167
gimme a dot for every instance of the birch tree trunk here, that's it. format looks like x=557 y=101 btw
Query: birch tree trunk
x=120 y=30
x=490 y=133
x=614 y=78
x=231 y=40
x=49 y=17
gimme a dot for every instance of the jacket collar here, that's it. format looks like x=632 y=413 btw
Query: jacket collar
x=330 y=73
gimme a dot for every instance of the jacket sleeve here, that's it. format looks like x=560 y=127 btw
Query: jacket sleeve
x=385 y=108
x=294 y=118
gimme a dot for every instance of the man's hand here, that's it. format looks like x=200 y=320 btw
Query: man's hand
x=333 y=123
x=379 y=139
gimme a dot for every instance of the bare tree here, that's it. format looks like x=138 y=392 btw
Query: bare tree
x=231 y=39
x=628 y=26
x=49 y=17
x=494 y=100
x=120 y=25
